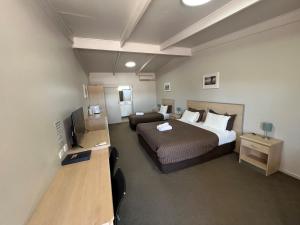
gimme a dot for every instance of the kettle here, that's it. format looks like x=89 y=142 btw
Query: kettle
x=94 y=109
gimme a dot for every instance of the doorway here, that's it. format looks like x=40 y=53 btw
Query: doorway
x=112 y=105
x=125 y=99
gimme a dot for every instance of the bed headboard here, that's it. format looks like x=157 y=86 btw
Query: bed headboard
x=168 y=101
x=229 y=108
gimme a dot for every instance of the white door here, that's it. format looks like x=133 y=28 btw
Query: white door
x=112 y=104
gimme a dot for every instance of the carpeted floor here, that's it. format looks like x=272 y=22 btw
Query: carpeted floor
x=219 y=192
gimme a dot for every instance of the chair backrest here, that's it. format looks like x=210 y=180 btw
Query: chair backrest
x=118 y=189
x=113 y=158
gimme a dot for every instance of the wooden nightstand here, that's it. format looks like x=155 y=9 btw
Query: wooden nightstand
x=260 y=152
x=175 y=116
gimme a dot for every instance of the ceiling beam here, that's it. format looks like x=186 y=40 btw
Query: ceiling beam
x=145 y=64
x=109 y=45
x=116 y=63
x=76 y=14
x=222 y=13
x=134 y=19
x=279 y=21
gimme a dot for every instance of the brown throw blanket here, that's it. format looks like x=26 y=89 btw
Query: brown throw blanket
x=134 y=120
x=183 y=142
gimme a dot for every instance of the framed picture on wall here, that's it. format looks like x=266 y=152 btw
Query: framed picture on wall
x=211 y=80
x=167 y=86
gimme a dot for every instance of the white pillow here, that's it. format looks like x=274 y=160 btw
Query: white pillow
x=163 y=109
x=215 y=121
x=189 y=116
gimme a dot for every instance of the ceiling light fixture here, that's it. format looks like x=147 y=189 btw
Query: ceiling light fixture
x=130 y=64
x=194 y=3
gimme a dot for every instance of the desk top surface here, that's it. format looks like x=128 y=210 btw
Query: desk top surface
x=80 y=194
x=95 y=139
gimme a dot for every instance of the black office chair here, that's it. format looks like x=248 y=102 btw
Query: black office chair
x=119 y=192
x=113 y=158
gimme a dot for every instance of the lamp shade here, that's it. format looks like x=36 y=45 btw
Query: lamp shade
x=158 y=105
x=267 y=126
x=178 y=109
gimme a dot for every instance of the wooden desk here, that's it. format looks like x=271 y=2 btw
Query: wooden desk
x=91 y=139
x=80 y=194
x=96 y=122
x=97 y=132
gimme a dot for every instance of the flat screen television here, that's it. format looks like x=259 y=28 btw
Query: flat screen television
x=78 y=126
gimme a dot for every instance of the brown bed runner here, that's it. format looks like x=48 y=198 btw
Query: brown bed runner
x=183 y=142
x=134 y=120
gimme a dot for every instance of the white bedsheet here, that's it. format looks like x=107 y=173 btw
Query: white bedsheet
x=166 y=115
x=225 y=136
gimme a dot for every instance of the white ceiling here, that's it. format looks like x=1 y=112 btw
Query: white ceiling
x=163 y=19
x=97 y=61
x=255 y=14
x=104 y=61
x=157 y=62
x=103 y=19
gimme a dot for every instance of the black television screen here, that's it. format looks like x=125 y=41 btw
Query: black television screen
x=78 y=125
x=68 y=131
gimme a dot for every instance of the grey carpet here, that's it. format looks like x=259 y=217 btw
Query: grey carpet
x=219 y=192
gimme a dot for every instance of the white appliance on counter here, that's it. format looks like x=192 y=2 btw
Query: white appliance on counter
x=94 y=109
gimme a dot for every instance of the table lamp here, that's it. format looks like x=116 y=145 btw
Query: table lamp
x=266 y=127
x=178 y=110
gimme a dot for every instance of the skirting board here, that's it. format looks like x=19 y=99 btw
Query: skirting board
x=290 y=173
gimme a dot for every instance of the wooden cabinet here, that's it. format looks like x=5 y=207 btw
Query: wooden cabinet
x=96 y=96
x=261 y=152
x=175 y=116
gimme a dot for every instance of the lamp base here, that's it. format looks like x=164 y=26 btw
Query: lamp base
x=266 y=136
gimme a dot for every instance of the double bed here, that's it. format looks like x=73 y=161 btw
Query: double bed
x=189 y=143
x=148 y=117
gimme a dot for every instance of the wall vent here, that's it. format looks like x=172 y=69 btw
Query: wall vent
x=147 y=76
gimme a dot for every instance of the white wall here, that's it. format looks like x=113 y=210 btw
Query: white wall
x=144 y=92
x=40 y=83
x=261 y=71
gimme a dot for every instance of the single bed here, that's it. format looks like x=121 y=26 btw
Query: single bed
x=188 y=144
x=148 y=117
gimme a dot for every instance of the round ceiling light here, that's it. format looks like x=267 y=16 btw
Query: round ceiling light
x=130 y=64
x=194 y=3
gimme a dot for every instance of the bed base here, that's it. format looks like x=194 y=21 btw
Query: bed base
x=171 y=167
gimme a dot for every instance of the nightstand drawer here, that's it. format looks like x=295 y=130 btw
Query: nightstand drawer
x=255 y=146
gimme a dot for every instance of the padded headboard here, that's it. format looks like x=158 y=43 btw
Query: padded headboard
x=229 y=108
x=168 y=101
